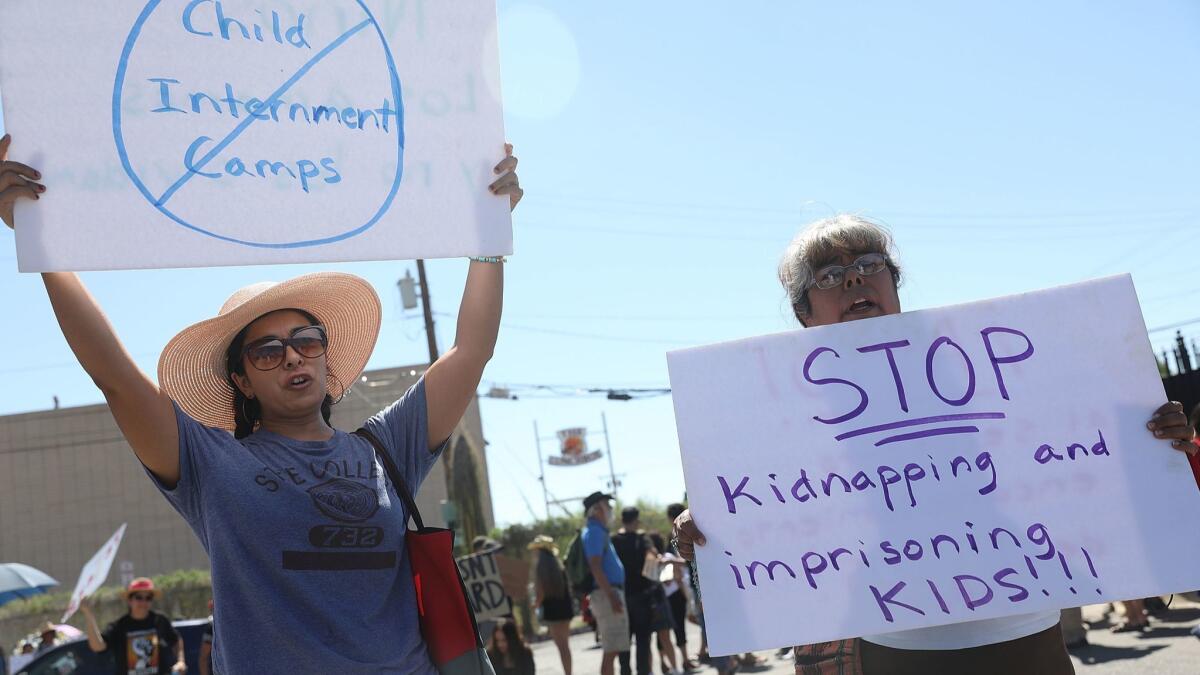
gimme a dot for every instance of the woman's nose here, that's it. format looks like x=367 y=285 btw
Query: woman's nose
x=291 y=357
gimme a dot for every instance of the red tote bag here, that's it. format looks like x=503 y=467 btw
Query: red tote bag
x=447 y=620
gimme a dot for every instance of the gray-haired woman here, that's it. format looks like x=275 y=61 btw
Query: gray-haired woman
x=834 y=272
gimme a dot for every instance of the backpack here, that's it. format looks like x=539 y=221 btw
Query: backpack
x=579 y=575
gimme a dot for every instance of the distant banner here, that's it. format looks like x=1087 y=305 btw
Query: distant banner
x=567 y=460
x=485 y=587
x=572 y=446
x=95 y=571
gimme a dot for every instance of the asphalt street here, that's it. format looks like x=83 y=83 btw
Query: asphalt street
x=1165 y=649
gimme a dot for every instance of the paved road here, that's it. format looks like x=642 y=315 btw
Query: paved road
x=1166 y=649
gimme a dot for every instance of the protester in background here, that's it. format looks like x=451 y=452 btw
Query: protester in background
x=206 y=640
x=677 y=590
x=142 y=638
x=552 y=596
x=23 y=654
x=834 y=272
x=663 y=621
x=508 y=652
x=1135 y=619
x=47 y=638
x=269 y=368
x=1073 y=630
x=607 y=602
x=647 y=609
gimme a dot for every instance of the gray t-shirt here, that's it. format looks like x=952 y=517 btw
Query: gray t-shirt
x=306 y=540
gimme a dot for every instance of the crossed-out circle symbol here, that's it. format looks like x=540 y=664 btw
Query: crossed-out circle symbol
x=193 y=166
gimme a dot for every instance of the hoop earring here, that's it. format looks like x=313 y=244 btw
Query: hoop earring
x=246 y=415
x=341 y=387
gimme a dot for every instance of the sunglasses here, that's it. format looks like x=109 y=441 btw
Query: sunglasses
x=141 y=598
x=267 y=353
x=834 y=275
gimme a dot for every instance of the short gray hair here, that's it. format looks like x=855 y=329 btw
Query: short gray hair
x=820 y=243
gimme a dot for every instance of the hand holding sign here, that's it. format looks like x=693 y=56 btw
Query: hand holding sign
x=17 y=181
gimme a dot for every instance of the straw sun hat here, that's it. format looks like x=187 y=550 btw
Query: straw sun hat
x=192 y=366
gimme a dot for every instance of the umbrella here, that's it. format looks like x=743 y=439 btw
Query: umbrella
x=22 y=581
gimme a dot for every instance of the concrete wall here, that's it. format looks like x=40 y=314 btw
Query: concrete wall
x=68 y=480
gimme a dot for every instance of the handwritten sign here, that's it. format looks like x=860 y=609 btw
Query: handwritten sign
x=92 y=577
x=485 y=586
x=179 y=133
x=932 y=467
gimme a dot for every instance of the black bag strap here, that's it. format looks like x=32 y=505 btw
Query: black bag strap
x=394 y=474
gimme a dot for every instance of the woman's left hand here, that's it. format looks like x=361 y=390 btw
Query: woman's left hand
x=507 y=183
x=1170 y=423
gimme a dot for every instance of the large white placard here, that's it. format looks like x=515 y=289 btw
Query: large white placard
x=92 y=577
x=182 y=133
x=931 y=467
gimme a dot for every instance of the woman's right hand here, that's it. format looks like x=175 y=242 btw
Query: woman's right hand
x=686 y=535
x=16 y=182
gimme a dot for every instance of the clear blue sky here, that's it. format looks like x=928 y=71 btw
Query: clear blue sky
x=668 y=158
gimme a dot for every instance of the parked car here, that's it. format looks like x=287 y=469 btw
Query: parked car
x=76 y=658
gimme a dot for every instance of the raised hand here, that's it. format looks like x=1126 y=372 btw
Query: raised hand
x=17 y=182
x=507 y=183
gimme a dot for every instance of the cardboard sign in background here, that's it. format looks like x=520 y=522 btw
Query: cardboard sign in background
x=95 y=571
x=484 y=581
x=177 y=133
x=932 y=467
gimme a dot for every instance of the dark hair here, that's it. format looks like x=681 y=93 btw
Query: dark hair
x=548 y=572
x=673 y=510
x=660 y=544
x=247 y=413
x=629 y=514
x=512 y=635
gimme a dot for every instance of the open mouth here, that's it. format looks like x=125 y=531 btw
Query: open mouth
x=860 y=306
x=299 y=381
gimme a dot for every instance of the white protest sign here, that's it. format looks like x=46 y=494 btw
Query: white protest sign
x=95 y=572
x=485 y=588
x=932 y=467
x=183 y=133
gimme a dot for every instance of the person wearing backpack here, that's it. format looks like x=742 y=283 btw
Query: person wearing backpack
x=607 y=579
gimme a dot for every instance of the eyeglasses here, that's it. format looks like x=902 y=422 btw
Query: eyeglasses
x=834 y=275
x=141 y=598
x=267 y=353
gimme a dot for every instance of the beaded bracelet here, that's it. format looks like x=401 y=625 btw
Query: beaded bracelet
x=489 y=259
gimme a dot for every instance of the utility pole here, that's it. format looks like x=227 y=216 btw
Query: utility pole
x=611 y=472
x=430 y=336
x=537 y=438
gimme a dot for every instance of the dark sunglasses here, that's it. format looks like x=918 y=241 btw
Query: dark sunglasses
x=267 y=353
x=140 y=597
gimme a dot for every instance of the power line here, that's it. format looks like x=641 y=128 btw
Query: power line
x=1174 y=325
x=706 y=211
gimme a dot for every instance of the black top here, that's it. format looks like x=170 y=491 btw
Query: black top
x=143 y=647
x=522 y=663
x=631 y=549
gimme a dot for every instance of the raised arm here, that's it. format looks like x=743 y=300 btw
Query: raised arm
x=451 y=382
x=142 y=411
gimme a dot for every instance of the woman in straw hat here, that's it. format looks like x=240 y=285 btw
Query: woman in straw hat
x=305 y=538
x=552 y=595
